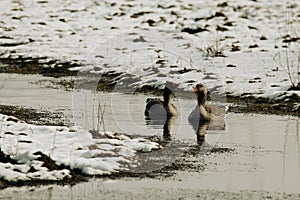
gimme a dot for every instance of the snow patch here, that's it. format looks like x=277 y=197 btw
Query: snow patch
x=71 y=146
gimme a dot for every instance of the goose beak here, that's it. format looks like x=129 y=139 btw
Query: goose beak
x=196 y=89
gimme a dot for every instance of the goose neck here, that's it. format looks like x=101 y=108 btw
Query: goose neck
x=201 y=99
x=167 y=97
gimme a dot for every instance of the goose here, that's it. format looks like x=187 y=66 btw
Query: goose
x=157 y=109
x=206 y=117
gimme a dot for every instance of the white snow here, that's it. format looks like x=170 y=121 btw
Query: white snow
x=109 y=35
x=71 y=146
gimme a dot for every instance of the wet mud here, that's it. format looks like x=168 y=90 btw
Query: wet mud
x=22 y=65
x=34 y=116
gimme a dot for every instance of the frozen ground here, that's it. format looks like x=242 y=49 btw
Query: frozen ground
x=238 y=48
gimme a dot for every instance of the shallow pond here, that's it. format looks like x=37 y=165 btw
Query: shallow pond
x=265 y=156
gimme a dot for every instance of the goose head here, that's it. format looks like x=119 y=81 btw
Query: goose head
x=170 y=87
x=201 y=93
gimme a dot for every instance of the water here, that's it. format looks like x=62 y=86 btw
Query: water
x=266 y=154
x=125 y=113
x=20 y=90
x=266 y=158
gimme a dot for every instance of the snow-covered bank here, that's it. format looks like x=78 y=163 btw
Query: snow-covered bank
x=155 y=41
x=71 y=146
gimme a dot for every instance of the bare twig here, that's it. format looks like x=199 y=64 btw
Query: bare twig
x=298 y=68
x=215 y=49
x=53 y=144
x=93 y=114
x=3 y=83
x=100 y=117
x=288 y=66
x=85 y=112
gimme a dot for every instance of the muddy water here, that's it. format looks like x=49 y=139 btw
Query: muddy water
x=122 y=113
x=266 y=154
x=125 y=113
x=21 y=90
